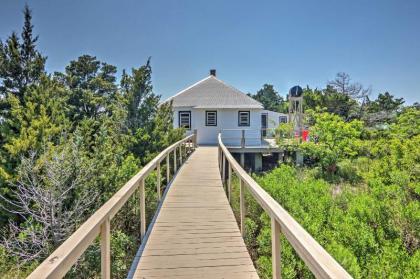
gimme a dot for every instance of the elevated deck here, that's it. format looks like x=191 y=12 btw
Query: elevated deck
x=195 y=234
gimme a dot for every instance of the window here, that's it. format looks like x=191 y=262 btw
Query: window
x=264 y=124
x=211 y=118
x=282 y=119
x=185 y=119
x=243 y=118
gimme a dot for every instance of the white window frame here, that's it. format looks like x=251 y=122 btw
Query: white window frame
x=183 y=114
x=248 y=120
x=211 y=123
x=282 y=117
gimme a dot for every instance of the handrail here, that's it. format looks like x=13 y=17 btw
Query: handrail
x=63 y=258
x=244 y=138
x=322 y=264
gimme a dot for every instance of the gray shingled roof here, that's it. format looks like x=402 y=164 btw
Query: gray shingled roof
x=213 y=93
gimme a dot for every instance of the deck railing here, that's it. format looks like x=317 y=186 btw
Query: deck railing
x=322 y=264
x=66 y=255
x=247 y=137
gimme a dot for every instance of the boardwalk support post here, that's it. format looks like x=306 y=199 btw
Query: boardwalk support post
x=168 y=169
x=158 y=181
x=229 y=184
x=180 y=155
x=142 y=210
x=276 y=249
x=242 y=205
x=195 y=138
x=223 y=169
x=174 y=160
x=243 y=160
x=106 y=249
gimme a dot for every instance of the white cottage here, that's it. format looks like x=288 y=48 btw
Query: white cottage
x=211 y=106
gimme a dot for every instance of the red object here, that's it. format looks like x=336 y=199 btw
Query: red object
x=305 y=135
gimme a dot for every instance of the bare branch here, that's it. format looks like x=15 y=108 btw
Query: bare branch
x=51 y=198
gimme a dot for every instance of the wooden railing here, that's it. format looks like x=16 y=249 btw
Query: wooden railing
x=247 y=137
x=63 y=258
x=322 y=264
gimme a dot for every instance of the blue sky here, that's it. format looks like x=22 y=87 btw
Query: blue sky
x=249 y=42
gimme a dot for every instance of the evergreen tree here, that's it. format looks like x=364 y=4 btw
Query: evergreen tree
x=92 y=86
x=21 y=64
x=385 y=102
x=270 y=99
x=141 y=100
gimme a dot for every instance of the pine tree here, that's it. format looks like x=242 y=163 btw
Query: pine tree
x=92 y=84
x=21 y=65
x=141 y=100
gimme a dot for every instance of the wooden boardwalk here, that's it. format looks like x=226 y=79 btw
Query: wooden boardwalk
x=195 y=234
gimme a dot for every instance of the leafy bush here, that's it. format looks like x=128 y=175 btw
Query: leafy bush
x=370 y=230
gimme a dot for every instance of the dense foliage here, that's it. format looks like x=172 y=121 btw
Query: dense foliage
x=270 y=98
x=358 y=196
x=358 y=193
x=69 y=140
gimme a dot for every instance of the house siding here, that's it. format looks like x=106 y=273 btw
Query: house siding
x=227 y=122
x=273 y=118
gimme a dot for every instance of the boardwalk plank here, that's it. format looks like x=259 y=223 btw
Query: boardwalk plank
x=195 y=234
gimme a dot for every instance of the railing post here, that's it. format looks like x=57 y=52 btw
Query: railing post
x=218 y=156
x=243 y=139
x=229 y=184
x=180 y=155
x=275 y=248
x=184 y=148
x=191 y=145
x=158 y=180
x=174 y=160
x=223 y=169
x=220 y=162
x=106 y=249
x=195 y=138
x=242 y=205
x=142 y=210
x=168 y=169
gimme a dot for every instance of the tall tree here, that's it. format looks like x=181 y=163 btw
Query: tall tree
x=338 y=103
x=330 y=100
x=270 y=98
x=21 y=64
x=92 y=84
x=40 y=120
x=383 y=110
x=342 y=84
x=385 y=102
x=141 y=100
